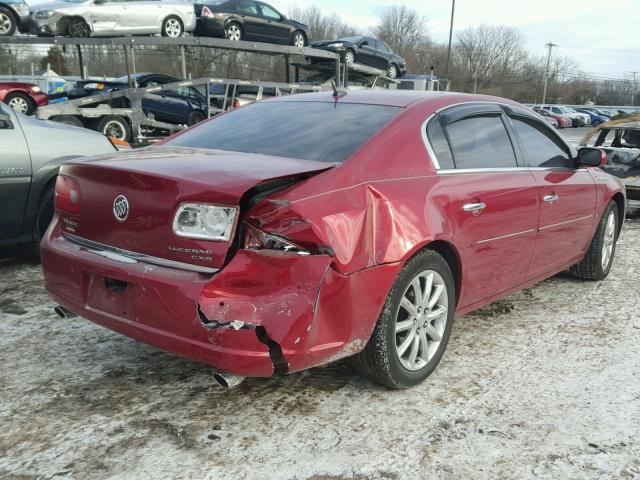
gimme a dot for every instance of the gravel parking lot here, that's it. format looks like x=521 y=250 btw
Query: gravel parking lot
x=543 y=384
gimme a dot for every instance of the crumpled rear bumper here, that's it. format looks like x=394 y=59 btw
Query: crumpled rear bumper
x=266 y=312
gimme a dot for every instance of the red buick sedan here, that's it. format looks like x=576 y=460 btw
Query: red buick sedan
x=297 y=231
x=23 y=97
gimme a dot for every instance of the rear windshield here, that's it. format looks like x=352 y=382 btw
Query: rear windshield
x=321 y=131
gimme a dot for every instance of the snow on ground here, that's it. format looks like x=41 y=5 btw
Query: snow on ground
x=543 y=384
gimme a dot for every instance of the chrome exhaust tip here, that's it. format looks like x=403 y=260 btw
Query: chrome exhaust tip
x=63 y=312
x=226 y=380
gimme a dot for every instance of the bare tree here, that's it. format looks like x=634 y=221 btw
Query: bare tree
x=322 y=27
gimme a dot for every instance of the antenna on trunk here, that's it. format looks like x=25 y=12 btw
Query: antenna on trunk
x=337 y=93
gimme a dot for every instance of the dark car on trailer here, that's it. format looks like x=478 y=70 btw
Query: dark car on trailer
x=182 y=106
x=366 y=51
x=249 y=20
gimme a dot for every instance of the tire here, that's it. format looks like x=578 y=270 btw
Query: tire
x=298 y=39
x=20 y=102
x=349 y=57
x=172 y=27
x=195 y=117
x=392 y=71
x=115 y=126
x=8 y=22
x=78 y=28
x=43 y=217
x=67 y=120
x=233 y=31
x=380 y=359
x=596 y=264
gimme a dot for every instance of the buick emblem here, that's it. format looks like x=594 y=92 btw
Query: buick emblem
x=121 y=208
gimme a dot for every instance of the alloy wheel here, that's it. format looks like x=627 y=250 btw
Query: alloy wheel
x=393 y=71
x=173 y=28
x=5 y=24
x=298 y=40
x=609 y=239
x=233 y=33
x=421 y=320
x=349 y=58
x=78 y=29
x=19 y=104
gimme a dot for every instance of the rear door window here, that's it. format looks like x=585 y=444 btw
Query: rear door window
x=541 y=148
x=247 y=7
x=481 y=142
x=439 y=144
x=320 y=131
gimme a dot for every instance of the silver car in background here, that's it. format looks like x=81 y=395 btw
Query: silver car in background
x=104 y=18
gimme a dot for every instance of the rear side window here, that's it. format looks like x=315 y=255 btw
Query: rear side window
x=481 y=142
x=440 y=145
x=320 y=131
x=540 y=147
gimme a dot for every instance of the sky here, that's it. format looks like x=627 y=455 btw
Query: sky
x=601 y=35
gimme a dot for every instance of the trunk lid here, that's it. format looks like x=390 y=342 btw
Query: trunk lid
x=155 y=182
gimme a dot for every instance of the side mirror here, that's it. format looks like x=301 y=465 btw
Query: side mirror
x=5 y=121
x=592 y=157
x=364 y=43
x=283 y=18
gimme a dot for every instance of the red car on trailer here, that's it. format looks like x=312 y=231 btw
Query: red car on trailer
x=297 y=231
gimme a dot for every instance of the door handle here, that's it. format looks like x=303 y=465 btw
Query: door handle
x=473 y=207
x=550 y=198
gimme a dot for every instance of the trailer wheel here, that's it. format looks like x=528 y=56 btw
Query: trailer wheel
x=68 y=120
x=115 y=126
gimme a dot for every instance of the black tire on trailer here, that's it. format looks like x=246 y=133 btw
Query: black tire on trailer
x=416 y=319
x=8 y=22
x=233 y=31
x=115 y=126
x=596 y=264
x=195 y=117
x=78 y=28
x=172 y=27
x=298 y=39
x=67 y=120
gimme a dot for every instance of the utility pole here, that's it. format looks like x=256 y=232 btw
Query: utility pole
x=453 y=9
x=633 y=89
x=475 y=79
x=546 y=75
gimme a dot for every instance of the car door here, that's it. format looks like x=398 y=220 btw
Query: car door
x=252 y=24
x=367 y=52
x=274 y=30
x=492 y=201
x=15 y=174
x=142 y=16
x=567 y=194
x=107 y=16
x=380 y=57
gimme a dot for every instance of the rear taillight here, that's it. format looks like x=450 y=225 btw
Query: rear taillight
x=236 y=103
x=206 y=12
x=67 y=197
x=258 y=240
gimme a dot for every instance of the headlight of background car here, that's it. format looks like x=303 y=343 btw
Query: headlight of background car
x=36 y=89
x=44 y=14
x=21 y=8
x=207 y=222
x=336 y=45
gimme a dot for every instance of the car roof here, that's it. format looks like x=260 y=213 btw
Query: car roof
x=393 y=98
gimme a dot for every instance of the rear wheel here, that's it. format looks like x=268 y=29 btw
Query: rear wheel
x=78 y=28
x=298 y=39
x=412 y=332
x=8 y=23
x=115 y=126
x=233 y=31
x=172 y=27
x=596 y=264
x=20 y=103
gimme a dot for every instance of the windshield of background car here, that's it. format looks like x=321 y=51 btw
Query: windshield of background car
x=320 y=131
